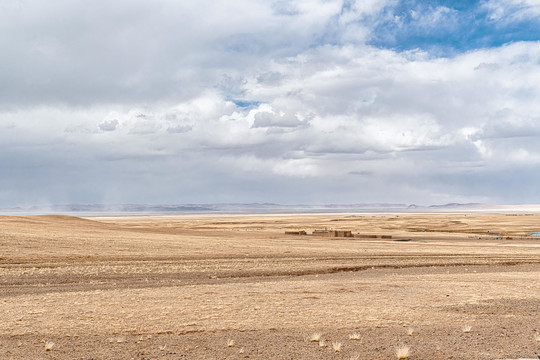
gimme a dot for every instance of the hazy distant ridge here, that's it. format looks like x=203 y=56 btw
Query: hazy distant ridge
x=204 y=208
x=262 y=208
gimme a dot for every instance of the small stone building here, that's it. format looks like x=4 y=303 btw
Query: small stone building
x=301 y=232
x=333 y=233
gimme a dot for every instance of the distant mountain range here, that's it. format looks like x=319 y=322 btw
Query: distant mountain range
x=259 y=208
x=202 y=208
x=449 y=205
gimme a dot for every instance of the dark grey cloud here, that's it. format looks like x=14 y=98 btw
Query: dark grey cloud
x=108 y=125
x=270 y=78
x=509 y=124
x=100 y=52
x=134 y=51
x=361 y=173
x=268 y=119
x=179 y=129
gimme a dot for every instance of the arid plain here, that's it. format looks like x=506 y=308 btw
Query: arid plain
x=447 y=286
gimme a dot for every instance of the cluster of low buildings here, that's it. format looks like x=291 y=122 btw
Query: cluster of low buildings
x=337 y=233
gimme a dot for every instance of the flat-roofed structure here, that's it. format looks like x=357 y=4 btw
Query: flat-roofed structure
x=301 y=232
x=333 y=233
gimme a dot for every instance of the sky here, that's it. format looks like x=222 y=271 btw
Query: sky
x=290 y=102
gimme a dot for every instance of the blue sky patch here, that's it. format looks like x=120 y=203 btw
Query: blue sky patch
x=245 y=103
x=448 y=27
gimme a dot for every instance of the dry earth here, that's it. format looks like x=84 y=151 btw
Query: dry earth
x=235 y=287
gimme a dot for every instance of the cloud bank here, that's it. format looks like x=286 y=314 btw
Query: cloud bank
x=269 y=101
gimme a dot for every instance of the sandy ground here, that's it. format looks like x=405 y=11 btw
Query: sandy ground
x=448 y=286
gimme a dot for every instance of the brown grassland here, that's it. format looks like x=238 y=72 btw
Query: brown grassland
x=236 y=287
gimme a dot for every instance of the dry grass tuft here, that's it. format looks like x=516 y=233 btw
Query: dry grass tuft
x=230 y=343
x=241 y=350
x=537 y=337
x=410 y=331
x=315 y=337
x=354 y=336
x=322 y=343
x=49 y=345
x=336 y=346
x=402 y=352
x=467 y=329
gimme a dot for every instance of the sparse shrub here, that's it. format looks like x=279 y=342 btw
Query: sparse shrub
x=402 y=352
x=336 y=346
x=354 y=336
